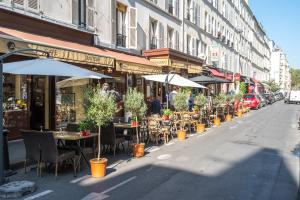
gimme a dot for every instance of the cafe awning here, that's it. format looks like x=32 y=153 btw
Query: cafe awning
x=76 y=53
x=173 y=79
x=208 y=79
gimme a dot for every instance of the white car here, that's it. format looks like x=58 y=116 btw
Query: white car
x=294 y=97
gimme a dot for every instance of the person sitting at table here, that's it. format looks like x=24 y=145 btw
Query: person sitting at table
x=155 y=106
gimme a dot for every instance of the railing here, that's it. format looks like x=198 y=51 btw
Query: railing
x=121 y=40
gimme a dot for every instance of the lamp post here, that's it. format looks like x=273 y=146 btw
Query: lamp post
x=167 y=81
x=2 y=175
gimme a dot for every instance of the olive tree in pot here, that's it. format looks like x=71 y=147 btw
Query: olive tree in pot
x=200 y=100
x=181 y=105
x=229 y=102
x=237 y=108
x=218 y=101
x=135 y=104
x=101 y=110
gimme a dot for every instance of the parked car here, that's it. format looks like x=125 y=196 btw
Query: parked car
x=262 y=99
x=252 y=99
x=269 y=97
x=294 y=97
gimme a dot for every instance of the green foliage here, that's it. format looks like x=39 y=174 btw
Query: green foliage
x=86 y=124
x=243 y=88
x=87 y=92
x=295 y=79
x=239 y=96
x=272 y=86
x=102 y=107
x=134 y=103
x=167 y=112
x=200 y=100
x=219 y=99
x=229 y=99
x=180 y=102
x=186 y=90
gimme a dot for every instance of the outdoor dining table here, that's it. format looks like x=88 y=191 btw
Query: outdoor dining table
x=76 y=137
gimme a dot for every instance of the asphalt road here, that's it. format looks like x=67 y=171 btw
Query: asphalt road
x=248 y=158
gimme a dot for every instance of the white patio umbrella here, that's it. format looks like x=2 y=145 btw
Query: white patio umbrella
x=74 y=81
x=173 y=79
x=49 y=67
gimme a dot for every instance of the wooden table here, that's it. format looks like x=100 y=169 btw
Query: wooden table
x=76 y=137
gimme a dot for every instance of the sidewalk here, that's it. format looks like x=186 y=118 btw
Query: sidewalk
x=17 y=153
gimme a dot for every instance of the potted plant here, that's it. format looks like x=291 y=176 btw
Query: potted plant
x=181 y=105
x=229 y=101
x=101 y=110
x=218 y=101
x=166 y=114
x=85 y=126
x=135 y=104
x=200 y=101
x=237 y=99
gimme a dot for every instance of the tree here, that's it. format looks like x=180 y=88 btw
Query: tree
x=295 y=79
x=272 y=86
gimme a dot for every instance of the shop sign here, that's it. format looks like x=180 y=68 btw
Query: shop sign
x=193 y=69
x=137 y=69
x=161 y=61
x=214 y=53
x=237 y=77
x=180 y=65
x=67 y=55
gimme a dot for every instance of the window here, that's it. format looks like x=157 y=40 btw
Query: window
x=121 y=25
x=83 y=13
x=189 y=10
x=197 y=48
x=170 y=37
x=188 y=44
x=154 y=1
x=153 y=34
x=29 y=5
x=170 y=6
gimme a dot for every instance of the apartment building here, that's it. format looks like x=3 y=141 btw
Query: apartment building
x=280 y=69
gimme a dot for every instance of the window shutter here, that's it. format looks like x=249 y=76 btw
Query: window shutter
x=198 y=17
x=18 y=3
x=167 y=5
x=132 y=28
x=90 y=14
x=177 y=8
x=194 y=47
x=32 y=5
x=193 y=12
x=75 y=12
x=161 y=35
x=177 y=40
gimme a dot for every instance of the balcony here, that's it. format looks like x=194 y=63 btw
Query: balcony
x=121 y=40
x=153 y=43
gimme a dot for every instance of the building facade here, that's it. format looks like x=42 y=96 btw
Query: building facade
x=280 y=69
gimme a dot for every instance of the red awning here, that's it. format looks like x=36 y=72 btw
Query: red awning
x=216 y=73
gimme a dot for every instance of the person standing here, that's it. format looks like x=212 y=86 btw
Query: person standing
x=172 y=96
x=155 y=106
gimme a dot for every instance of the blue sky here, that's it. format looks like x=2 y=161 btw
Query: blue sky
x=281 y=21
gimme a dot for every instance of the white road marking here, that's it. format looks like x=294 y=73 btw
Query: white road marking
x=80 y=179
x=153 y=149
x=233 y=127
x=191 y=135
x=164 y=157
x=95 y=196
x=38 y=195
x=201 y=135
x=118 y=185
x=102 y=195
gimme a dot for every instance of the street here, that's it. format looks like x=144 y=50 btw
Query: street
x=247 y=158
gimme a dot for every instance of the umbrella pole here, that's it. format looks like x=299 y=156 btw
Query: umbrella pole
x=1 y=126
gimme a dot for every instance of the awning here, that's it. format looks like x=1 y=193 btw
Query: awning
x=208 y=79
x=75 y=52
x=49 y=67
x=219 y=74
x=174 y=79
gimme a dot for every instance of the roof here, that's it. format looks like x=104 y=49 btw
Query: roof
x=50 y=41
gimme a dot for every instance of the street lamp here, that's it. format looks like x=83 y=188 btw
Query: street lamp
x=2 y=175
x=167 y=81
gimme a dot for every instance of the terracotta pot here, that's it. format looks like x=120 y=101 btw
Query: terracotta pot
x=217 y=121
x=166 y=117
x=98 y=167
x=85 y=132
x=228 y=118
x=200 y=128
x=134 y=123
x=138 y=150
x=181 y=135
x=240 y=114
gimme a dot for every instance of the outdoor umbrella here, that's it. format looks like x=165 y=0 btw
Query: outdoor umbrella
x=49 y=67
x=173 y=79
x=208 y=79
x=75 y=81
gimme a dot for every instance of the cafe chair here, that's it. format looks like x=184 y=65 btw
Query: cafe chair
x=32 y=148
x=109 y=138
x=50 y=154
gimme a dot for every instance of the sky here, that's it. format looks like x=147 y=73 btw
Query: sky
x=281 y=21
